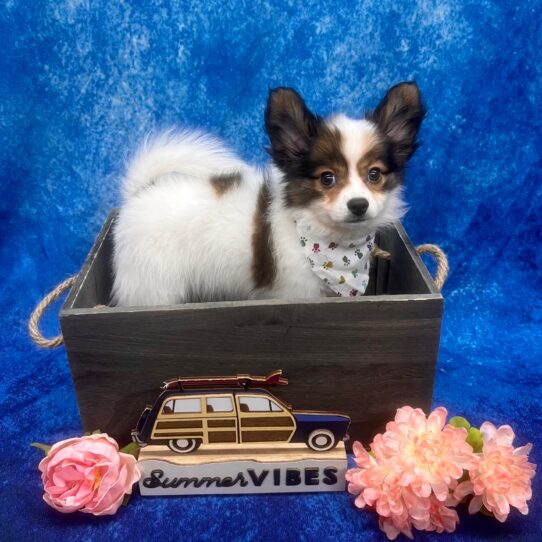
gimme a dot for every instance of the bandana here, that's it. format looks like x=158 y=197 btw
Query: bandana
x=344 y=268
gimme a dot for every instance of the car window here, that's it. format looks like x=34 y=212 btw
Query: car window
x=182 y=406
x=252 y=403
x=219 y=404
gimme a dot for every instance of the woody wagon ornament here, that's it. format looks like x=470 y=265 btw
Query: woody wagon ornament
x=252 y=442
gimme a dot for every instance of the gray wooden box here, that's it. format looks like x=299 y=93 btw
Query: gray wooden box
x=362 y=356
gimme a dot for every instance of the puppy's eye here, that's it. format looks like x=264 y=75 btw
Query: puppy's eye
x=374 y=175
x=328 y=179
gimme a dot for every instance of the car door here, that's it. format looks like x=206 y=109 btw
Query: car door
x=220 y=419
x=263 y=419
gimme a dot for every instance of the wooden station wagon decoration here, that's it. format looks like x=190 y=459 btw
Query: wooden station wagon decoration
x=225 y=410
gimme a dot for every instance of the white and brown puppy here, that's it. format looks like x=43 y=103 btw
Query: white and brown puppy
x=199 y=224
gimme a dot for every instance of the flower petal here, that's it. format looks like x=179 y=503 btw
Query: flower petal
x=462 y=490
x=488 y=431
x=505 y=435
x=475 y=504
x=437 y=419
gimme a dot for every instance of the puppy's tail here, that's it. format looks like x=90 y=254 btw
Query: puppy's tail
x=192 y=154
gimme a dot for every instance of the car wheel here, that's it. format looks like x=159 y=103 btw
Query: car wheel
x=184 y=445
x=321 y=440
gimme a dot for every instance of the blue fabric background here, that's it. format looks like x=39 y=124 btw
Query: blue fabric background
x=81 y=82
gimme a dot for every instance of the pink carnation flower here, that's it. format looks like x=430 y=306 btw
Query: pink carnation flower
x=411 y=470
x=87 y=474
x=375 y=484
x=503 y=476
x=432 y=455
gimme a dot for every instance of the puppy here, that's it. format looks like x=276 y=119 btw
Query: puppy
x=199 y=224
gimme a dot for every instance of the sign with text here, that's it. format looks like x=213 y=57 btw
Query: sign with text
x=299 y=471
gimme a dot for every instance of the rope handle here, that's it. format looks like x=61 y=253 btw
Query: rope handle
x=443 y=267
x=33 y=329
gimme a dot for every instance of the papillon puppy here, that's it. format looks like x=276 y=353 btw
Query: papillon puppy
x=199 y=224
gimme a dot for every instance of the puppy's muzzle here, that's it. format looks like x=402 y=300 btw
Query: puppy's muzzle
x=358 y=206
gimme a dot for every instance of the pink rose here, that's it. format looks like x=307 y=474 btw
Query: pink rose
x=87 y=474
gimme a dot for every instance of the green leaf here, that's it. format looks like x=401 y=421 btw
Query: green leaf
x=44 y=447
x=95 y=432
x=126 y=499
x=132 y=449
x=475 y=439
x=458 y=421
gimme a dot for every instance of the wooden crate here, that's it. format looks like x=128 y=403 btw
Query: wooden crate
x=363 y=356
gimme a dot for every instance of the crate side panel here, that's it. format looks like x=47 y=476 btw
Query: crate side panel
x=96 y=289
x=93 y=284
x=365 y=359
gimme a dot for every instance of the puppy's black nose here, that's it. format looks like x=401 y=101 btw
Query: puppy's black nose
x=358 y=206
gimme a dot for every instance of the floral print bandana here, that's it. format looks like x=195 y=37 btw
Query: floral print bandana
x=344 y=268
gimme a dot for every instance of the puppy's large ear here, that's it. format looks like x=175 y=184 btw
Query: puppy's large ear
x=289 y=125
x=399 y=116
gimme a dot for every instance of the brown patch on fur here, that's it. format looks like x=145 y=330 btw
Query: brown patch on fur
x=301 y=192
x=324 y=155
x=379 y=157
x=225 y=182
x=264 y=267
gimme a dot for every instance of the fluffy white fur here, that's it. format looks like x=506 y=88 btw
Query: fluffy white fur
x=176 y=240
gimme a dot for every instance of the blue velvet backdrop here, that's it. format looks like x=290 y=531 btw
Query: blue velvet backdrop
x=82 y=82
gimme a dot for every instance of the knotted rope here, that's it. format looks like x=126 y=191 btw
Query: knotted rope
x=443 y=268
x=41 y=307
x=442 y=261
